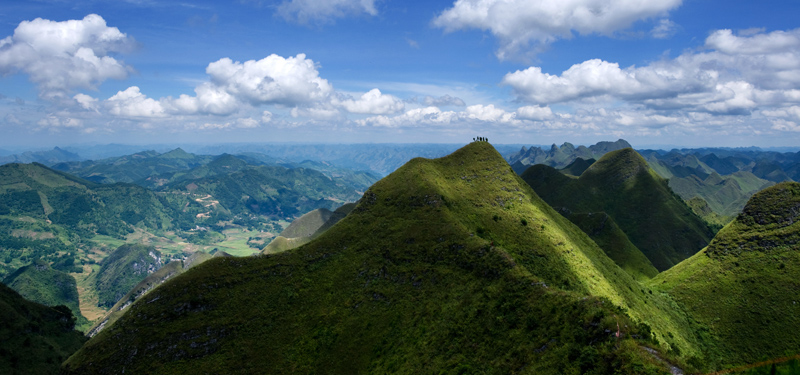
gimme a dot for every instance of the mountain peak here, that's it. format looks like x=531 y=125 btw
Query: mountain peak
x=779 y=204
x=619 y=165
x=177 y=153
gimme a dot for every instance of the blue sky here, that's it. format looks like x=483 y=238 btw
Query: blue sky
x=673 y=72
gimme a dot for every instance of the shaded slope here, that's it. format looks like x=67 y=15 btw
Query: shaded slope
x=34 y=339
x=577 y=167
x=464 y=270
x=621 y=184
x=39 y=283
x=744 y=286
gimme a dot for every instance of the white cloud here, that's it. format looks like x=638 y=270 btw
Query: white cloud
x=58 y=121
x=488 y=113
x=663 y=29
x=273 y=79
x=373 y=102
x=718 y=80
x=86 y=102
x=412 y=118
x=324 y=11
x=266 y=117
x=535 y=113
x=132 y=103
x=520 y=24
x=61 y=56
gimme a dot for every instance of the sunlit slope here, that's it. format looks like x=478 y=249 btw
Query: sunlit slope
x=622 y=185
x=746 y=285
x=450 y=265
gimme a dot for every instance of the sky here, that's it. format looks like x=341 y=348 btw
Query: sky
x=691 y=73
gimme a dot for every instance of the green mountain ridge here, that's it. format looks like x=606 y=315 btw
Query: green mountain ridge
x=464 y=269
x=744 y=287
x=622 y=185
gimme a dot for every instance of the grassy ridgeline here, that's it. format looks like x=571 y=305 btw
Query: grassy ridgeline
x=744 y=286
x=451 y=265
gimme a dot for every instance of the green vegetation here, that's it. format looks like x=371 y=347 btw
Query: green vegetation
x=123 y=269
x=39 y=283
x=577 y=167
x=622 y=185
x=433 y=271
x=607 y=234
x=34 y=339
x=743 y=287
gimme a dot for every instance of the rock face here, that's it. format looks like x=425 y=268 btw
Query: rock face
x=123 y=269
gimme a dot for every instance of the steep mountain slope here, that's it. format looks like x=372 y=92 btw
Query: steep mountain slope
x=608 y=235
x=306 y=225
x=34 y=339
x=622 y=185
x=744 y=286
x=39 y=283
x=447 y=265
x=577 y=167
x=123 y=269
x=306 y=228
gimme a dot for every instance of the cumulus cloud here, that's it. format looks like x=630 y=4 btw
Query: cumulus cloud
x=324 y=11
x=519 y=24
x=57 y=121
x=86 y=102
x=433 y=116
x=373 y=102
x=734 y=75
x=61 y=56
x=273 y=79
x=132 y=103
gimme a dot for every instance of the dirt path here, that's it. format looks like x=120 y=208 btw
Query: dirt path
x=754 y=365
